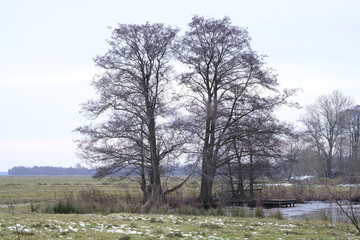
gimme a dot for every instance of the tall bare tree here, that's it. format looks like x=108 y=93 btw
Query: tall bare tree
x=227 y=81
x=352 y=130
x=324 y=124
x=135 y=132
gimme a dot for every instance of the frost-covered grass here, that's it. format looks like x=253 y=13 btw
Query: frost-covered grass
x=29 y=225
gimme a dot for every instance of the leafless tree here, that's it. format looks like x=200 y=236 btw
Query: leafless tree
x=256 y=146
x=324 y=124
x=227 y=81
x=352 y=130
x=136 y=133
x=293 y=155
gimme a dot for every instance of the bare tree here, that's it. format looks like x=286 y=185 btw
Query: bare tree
x=293 y=155
x=254 y=151
x=260 y=139
x=352 y=129
x=134 y=98
x=227 y=81
x=324 y=124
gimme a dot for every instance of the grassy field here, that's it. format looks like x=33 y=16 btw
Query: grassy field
x=44 y=189
x=26 y=225
x=19 y=222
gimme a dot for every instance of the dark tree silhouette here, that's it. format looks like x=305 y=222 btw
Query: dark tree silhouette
x=256 y=144
x=227 y=82
x=137 y=131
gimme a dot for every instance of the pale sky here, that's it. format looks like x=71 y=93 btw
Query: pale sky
x=47 y=49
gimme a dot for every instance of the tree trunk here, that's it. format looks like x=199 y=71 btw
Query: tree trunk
x=251 y=177
x=143 y=182
x=142 y=167
x=341 y=159
x=208 y=162
x=231 y=181
x=240 y=181
x=155 y=180
x=156 y=190
x=207 y=176
x=207 y=180
x=329 y=164
x=356 y=149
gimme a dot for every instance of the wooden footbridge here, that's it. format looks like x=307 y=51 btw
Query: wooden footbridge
x=278 y=203
x=258 y=200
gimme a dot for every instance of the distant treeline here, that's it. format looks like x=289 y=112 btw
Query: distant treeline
x=31 y=171
x=174 y=170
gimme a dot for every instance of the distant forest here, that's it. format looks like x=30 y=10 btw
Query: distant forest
x=174 y=170
x=36 y=171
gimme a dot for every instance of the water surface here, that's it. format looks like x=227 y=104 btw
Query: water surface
x=319 y=211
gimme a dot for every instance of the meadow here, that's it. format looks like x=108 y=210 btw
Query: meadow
x=40 y=189
x=24 y=198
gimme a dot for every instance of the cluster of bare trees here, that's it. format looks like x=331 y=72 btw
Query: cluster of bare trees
x=329 y=141
x=253 y=154
x=218 y=112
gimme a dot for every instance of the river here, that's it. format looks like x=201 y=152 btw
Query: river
x=313 y=210
x=319 y=211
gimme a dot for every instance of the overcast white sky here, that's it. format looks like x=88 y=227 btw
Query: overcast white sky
x=47 y=47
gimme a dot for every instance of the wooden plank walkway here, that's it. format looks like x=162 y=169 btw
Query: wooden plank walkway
x=258 y=200
x=271 y=203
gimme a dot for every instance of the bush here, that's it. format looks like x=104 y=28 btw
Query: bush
x=34 y=207
x=259 y=212
x=124 y=238
x=66 y=207
x=88 y=201
x=95 y=200
x=240 y=212
x=277 y=214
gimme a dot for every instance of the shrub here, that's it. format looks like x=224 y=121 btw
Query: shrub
x=124 y=238
x=67 y=206
x=34 y=207
x=88 y=201
x=325 y=216
x=259 y=212
x=95 y=200
x=241 y=212
x=277 y=214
